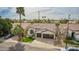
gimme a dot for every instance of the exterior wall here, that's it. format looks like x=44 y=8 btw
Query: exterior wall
x=35 y=32
x=29 y=34
x=69 y=33
x=42 y=35
x=76 y=35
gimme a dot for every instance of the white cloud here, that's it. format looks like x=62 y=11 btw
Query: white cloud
x=49 y=12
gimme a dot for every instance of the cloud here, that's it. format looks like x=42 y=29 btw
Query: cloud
x=49 y=12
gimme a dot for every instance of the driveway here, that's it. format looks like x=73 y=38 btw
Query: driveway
x=34 y=46
x=42 y=45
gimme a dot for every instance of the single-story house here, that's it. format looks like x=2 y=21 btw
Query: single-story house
x=74 y=31
x=47 y=30
x=44 y=30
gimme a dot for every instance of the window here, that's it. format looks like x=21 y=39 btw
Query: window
x=38 y=34
x=48 y=36
x=31 y=31
x=72 y=35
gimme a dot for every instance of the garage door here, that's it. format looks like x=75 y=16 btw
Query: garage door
x=48 y=36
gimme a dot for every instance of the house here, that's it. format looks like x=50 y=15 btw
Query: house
x=23 y=25
x=47 y=31
x=74 y=31
x=44 y=30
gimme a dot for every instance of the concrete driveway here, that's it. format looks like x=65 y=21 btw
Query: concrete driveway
x=34 y=46
x=43 y=46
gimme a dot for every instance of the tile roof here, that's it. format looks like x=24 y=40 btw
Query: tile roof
x=74 y=27
x=49 y=26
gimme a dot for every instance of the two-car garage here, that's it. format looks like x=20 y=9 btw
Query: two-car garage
x=48 y=36
x=45 y=35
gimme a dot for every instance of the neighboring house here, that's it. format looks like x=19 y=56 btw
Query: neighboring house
x=23 y=25
x=74 y=31
x=72 y=21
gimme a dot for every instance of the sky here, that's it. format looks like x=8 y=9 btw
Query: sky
x=49 y=12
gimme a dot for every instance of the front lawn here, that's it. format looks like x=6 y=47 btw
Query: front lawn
x=72 y=42
x=1 y=41
x=27 y=39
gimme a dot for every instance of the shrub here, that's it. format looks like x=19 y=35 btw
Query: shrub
x=17 y=30
x=27 y=39
x=1 y=41
x=68 y=38
x=73 y=42
x=5 y=27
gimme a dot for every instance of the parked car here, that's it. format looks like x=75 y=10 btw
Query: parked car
x=73 y=49
x=8 y=36
x=70 y=49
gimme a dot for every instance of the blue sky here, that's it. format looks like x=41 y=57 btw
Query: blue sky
x=49 y=12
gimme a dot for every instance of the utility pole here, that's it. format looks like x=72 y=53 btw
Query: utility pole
x=38 y=15
x=68 y=23
x=67 y=30
x=69 y=16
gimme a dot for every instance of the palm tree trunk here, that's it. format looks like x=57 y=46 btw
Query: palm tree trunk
x=20 y=19
x=67 y=29
x=20 y=36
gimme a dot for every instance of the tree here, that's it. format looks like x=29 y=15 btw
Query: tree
x=57 y=30
x=18 y=30
x=67 y=28
x=64 y=21
x=20 y=11
x=57 y=34
x=5 y=27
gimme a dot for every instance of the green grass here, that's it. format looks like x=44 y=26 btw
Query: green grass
x=28 y=39
x=1 y=41
x=72 y=42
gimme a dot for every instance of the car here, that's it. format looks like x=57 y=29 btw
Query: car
x=73 y=49
x=70 y=49
x=8 y=36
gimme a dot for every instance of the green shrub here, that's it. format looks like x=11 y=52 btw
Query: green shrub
x=68 y=38
x=1 y=41
x=27 y=39
x=71 y=42
x=17 y=30
x=5 y=27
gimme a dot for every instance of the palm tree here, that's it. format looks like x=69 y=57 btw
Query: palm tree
x=67 y=30
x=21 y=12
x=68 y=24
